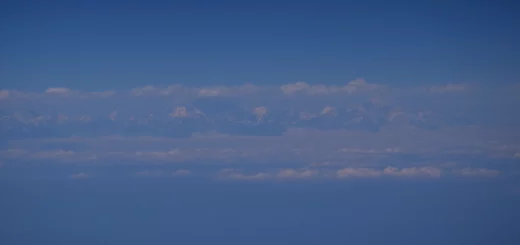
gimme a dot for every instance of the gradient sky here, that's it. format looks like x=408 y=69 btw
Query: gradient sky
x=108 y=45
x=366 y=122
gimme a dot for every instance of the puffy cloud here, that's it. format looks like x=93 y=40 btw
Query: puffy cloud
x=328 y=110
x=478 y=172
x=260 y=112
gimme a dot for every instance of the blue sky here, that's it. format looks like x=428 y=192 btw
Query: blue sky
x=266 y=122
x=107 y=45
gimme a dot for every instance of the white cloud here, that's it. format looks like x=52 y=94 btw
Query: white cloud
x=188 y=93
x=448 y=88
x=227 y=91
x=210 y=92
x=358 y=85
x=358 y=173
x=295 y=174
x=281 y=174
x=294 y=87
x=237 y=175
x=478 y=172
x=58 y=90
x=53 y=91
x=146 y=90
x=214 y=91
x=389 y=171
x=53 y=154
x=161 y=173
x=412 y=172
x=260 y=112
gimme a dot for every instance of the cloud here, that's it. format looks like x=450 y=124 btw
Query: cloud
x=358 y=85
x=53 y=155
x=294 y=87
x=298 y=122
x=181 y=172
x=478 y=172
x=296 y=174
x=282 y=174
x=233 y=174
x=163 y=173
x=412 y=172
x=210 y=92
x=448 y=88
x=4 y=94
x=149 y=90
x=358 y=173
x=58 y=90
x=389 y=171
x=79 y=176
x=260 y=112
x=194 y=92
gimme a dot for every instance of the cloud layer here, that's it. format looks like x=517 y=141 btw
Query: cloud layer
x=181 y=111
x=354 y=130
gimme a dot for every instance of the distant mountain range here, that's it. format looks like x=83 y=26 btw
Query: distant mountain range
x=186 y=119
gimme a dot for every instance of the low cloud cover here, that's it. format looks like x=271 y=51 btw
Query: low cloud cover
x=181 y=111
x=296 y=131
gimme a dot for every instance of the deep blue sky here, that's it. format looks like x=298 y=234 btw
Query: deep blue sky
x=98 y=45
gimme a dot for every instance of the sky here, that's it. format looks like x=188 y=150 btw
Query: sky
x=259 y=122
x=107 y=45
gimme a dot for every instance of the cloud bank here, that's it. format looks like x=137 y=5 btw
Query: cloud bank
x=180 y=111
x=352 y=130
